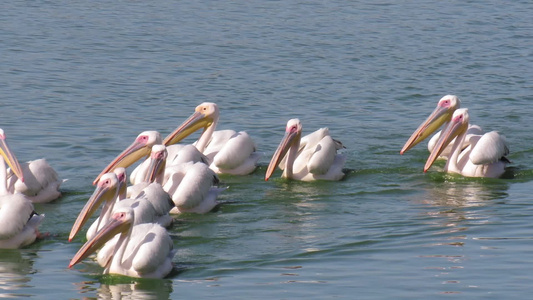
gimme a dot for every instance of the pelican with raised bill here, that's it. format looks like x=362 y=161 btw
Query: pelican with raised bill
x=484 y=157
x=141 y=147
x=144 y=250
x=440 y=116
x=229 y=152
x=313 y=157
x=18 y=221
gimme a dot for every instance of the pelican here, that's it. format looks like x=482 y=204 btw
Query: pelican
x=190 y=184
x=143 y=250
x=229 y=152
x=152 y=204
x=313 y=157
x=18 y=221
x=484 y=157
x=41 y=182
x=442 y=114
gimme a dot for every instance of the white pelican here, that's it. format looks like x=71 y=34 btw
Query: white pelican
x=229 y=152
x=152 y=204
x=142 y=146
x=442 y=114
x=18 y=221
x=41 y=182
x=143 y=250
x=484 y=157
x=191 y=185
x=313 y=157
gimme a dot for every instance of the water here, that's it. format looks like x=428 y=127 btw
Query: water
x=81 y=79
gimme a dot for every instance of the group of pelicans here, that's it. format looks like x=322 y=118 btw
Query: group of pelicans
x=130 y=236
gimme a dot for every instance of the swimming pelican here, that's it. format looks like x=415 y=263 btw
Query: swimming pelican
x=151 y=204
x=313 y=157
x=229 y=152
x=442 y=114
x=190 y=185
x=41 y=182
x=143 y=250
x=484 y=157
x=18 y=221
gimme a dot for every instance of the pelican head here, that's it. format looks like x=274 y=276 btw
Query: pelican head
x=457 y=126
x=204 y=116
x=293 y=134
x=122 y=182
x=120 y=222
x=139 y=148
x=9 y=156
x=105 y=192
x=157 y=164
x=442 y=114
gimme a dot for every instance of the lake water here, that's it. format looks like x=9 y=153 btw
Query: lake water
x=80 y=79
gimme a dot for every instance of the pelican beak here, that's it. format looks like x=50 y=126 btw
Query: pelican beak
x=156 y=166
x=438 y=117
x=196 y=121
x=284 y=146
x=117 y=224
x=128 y=157
x=10 y=158
x=102 y=193
x=455 y=128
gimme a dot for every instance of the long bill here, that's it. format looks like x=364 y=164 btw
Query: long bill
x=281 y=151
x=129 y=156
x=101 y=194
x=195 y=122
x=117 y=224
x=10 y=158
x=438 y=117
x=453 y=129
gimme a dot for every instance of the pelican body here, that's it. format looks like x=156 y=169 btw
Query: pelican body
x=18 y=221
x=41 y=182
x=484 y=157
x=313 y=157
x=228 y=151
x=143 y=250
